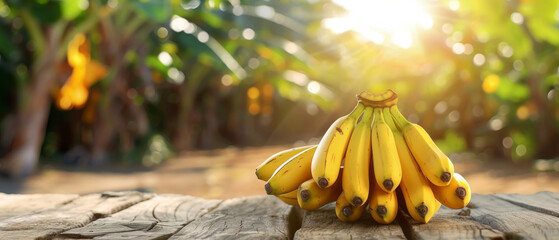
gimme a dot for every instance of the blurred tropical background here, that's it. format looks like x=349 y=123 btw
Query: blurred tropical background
x=188 y=96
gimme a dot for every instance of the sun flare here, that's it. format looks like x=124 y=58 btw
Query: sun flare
x=382 y=21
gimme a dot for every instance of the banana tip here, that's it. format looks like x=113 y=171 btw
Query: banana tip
x=322 y=182
x=347 y=211
x=388 y=184
x=446 y=177
x=460 y=192
x=268 y=188
x=357 y=201
x=382 y=211
x=422 y=210
x=305 y=195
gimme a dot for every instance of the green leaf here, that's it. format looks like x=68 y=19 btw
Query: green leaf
x=512 y=91
x=70 y=9
x=46 y=12
x=542 y=20
x=6 y=45
x=211 y=19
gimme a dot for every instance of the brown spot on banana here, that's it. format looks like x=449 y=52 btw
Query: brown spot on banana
x=340 y=130
x=360 y=117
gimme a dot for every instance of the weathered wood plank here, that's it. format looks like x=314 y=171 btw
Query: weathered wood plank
x=156 y=218
x=263 y=217
x=513 y=220
x=544 y=202
x=47 y=223
x=447 y=224
x=12 y=205
x=323 y=224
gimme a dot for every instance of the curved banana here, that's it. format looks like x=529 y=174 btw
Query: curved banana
x=419 y=198
x=332 y=148
x=291 y=174
x=289 y=198
x=267 y=168
x=383 y=206
x=310 y=196
x=346 y=211
x=355 y=179
x=434 y=164
x=386 y=165
x=456 y=195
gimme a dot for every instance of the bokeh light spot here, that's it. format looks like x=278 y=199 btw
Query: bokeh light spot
x=254 y=108
x=517 y=18
x=521 y=150
x=523 y=112
x=165 y=58
x=253 y=93
x=491 y=83
x=313 y=87
x=203 y=37
x=507 y=142
x=162 y=32
x=248 y=33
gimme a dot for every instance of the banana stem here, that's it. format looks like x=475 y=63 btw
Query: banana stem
x=389 y=119
x=356 y=112
x=385 y=99
x=378 y=116
x=399 y=119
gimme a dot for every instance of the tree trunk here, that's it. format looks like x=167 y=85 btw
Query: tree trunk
x=27 y=132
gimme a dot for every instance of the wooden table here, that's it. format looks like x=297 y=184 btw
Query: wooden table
x=135 y=215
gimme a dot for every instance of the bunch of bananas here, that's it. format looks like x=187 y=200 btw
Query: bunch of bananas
x=372 y=156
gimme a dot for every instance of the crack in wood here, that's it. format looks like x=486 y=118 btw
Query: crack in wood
x=529 y=206
x=294 y=221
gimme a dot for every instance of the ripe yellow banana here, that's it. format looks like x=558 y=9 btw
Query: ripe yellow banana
x=310 y=196
x=289 y=198
x=355 y=179
x=383 y=206
x=332 y=148
x=267 y=168
x=386 y=165
x=456 y=195
x=434 y=164
x=415 y=188
x=346 y=211
x=291 y=174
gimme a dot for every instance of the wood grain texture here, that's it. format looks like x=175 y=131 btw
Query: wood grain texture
x=323 y=224
x=76 y=213
x=543 y=202
x=134 y=215
x=157 y=218
x=512 y=219
x=262 y=217
x=447 y=224
x=12 y=205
